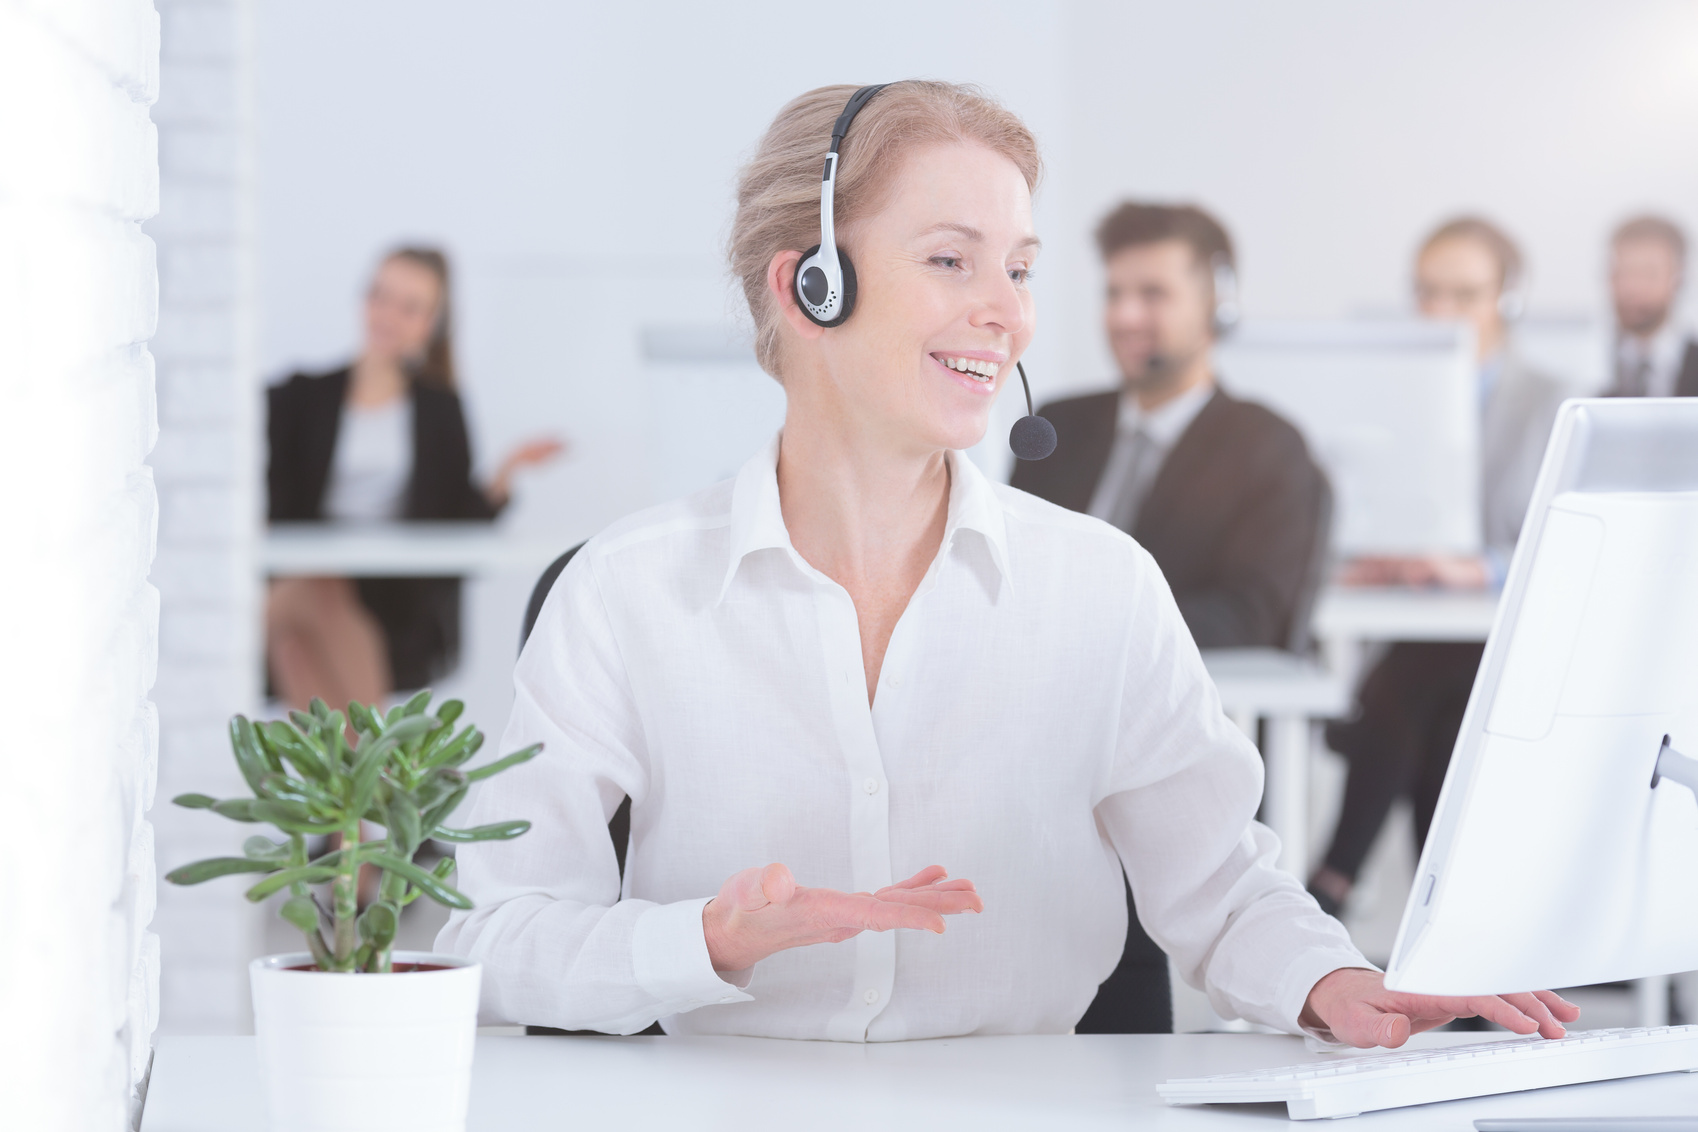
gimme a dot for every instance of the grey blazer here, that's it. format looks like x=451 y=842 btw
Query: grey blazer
x=1517 y=424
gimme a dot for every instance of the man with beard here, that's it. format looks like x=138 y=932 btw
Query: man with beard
x=1221 y=492
x=1654 y=356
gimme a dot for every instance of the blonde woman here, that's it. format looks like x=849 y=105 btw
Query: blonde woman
x=890 y=731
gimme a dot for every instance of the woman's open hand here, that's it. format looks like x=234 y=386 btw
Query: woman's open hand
x=762 y=911
x=527 y=455
x=1355 y=1005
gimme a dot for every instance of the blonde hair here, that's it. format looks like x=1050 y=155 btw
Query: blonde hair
x=778 y=192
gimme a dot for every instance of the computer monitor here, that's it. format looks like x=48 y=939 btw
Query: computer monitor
x=1390 y=409
x=1559 y=855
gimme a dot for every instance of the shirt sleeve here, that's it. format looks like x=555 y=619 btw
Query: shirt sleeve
x=558 y=945
x=1180 y=808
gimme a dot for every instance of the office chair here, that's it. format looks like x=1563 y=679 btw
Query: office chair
x=619 y=829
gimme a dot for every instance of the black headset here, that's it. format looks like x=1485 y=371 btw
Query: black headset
x=825 y=283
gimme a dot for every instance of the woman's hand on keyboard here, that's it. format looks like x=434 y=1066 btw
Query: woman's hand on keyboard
x=762 y=911
x=1355 y=1005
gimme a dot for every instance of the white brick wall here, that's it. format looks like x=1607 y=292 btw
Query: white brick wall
x=206 y=465
x=78 y=619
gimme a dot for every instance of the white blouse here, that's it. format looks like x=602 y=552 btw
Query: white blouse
x=1041 y=718
x=371 y=464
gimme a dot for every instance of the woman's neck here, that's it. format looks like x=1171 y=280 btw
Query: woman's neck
x=376 y=381
x=863 y=514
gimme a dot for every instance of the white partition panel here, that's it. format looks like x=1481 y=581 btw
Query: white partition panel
x=78 y=619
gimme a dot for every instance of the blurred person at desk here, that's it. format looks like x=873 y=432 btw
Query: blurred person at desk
x=1410 y=704
x=1655 y=356
x=860 y=659
x=379 y=440
x=1221 y=492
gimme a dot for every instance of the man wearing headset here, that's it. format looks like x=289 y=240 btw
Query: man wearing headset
x=1221 y=492
x=1411 y=704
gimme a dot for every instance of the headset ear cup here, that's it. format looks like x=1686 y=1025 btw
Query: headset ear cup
x=845 y=288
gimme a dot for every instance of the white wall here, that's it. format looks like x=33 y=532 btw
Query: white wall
x=78 y=290
x=206 y=465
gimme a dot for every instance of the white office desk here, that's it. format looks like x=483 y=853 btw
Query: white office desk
x=1347 y=617
x=1287 y=691
x=403 y=549
x=753 y=1084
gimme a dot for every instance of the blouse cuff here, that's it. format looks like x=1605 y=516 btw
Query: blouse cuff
x=670 y=960
x=1301 y=977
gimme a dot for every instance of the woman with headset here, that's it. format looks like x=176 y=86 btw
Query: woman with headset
x=861 y=666
x=380 y=439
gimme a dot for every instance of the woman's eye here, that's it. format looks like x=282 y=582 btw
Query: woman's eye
x=949 y=261
x=1020 y=274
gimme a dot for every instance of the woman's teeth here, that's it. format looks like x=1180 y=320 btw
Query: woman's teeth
x=973 y=367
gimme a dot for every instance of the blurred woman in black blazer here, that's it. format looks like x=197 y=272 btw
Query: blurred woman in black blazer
x=381 y=439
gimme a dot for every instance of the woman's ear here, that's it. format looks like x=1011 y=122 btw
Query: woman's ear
x=780 y=282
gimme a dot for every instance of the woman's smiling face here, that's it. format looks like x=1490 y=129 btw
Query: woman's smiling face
x=943 y=310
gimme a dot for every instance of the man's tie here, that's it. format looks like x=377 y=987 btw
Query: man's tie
x=1140 y=470
x=1633 y=379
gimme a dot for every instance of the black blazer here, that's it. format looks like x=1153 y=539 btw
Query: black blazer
x=420 y=616
x=1237 y=518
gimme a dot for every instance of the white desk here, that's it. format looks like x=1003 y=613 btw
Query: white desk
x=1346 y=617
x=403 y=549
x=752 y=1084
x=1289 y=692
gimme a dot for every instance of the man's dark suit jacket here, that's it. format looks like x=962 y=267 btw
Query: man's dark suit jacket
x=1236 y=517
x=420 y=616
x=1686 y=385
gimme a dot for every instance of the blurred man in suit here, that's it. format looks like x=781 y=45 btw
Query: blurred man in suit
x=1411 y=703
x=1221 y=492
x=1654 y=355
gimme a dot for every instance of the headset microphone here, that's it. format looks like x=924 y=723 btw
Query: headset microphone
x=825 y=282
x=1032 y=437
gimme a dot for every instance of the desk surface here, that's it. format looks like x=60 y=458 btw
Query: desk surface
x=1396 y=613
x=403 y=549
x=749 y=1084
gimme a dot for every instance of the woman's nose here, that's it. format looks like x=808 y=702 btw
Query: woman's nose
x=1002 y=305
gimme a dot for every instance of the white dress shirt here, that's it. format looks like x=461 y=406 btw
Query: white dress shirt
x=1142 y=440
x=1041 y=717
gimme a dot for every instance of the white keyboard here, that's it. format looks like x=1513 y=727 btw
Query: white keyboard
x=1347 y=1086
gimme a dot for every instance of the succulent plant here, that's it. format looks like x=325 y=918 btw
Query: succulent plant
x=401 y=771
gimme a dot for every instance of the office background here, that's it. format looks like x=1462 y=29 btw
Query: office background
x=577 y=162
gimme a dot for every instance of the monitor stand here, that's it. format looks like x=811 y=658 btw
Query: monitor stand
x=1673 y=765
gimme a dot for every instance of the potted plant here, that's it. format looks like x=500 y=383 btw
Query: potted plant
x=357 y=1052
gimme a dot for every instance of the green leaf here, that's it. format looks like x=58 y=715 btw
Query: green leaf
x=402 y=820
x=432 y=885
x=264 y=849
x=249 y=759
x=495 y=831
x=282 y=788
x=218 y=867
x=301 y=912
x=306 y=874
x=194 y=801
x=507 y=763
x=449 y=711
x=417 y=704
x=363 y=719
x=292 y=817
x=464 y=746
x=236 y=809
x=377 y=924
x=304 y=756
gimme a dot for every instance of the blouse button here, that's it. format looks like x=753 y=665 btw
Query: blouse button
x=870 y=786
x=869 y=996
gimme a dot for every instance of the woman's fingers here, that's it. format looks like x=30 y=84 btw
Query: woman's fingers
x=1563 y=1010
x=1366 y=1025
x=1539 y=1012
x=928 y=875
x=1503 y=1012
x=948 y=901
x=833 y=910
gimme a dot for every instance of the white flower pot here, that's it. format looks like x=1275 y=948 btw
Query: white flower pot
x=360 y=1053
